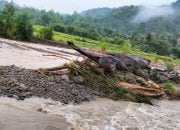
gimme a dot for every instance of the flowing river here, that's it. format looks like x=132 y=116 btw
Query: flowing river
x=102 y=114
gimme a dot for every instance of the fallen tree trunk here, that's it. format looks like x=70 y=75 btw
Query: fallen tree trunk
x=111 y=62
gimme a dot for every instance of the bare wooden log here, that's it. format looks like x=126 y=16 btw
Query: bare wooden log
x=53 y=69
x=150 y=92
x=107 y=62
x=60 y=72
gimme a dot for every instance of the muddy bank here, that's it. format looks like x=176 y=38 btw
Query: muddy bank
x=34 y=56
x=24 y=83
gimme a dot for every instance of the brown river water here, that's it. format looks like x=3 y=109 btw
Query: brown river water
x=102 y=114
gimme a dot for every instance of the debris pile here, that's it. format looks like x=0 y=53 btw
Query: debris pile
x=116 y=76
x=143 y=77
x=112 y=75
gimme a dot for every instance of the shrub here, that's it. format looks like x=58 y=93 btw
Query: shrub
x=46 y=33
x=126 y=47
x=2 y=32
x=60 y=28
x=104 y=47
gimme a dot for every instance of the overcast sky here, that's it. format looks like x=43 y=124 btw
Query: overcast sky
x=69 y=6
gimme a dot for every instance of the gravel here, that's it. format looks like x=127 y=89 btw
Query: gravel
x=24 y=83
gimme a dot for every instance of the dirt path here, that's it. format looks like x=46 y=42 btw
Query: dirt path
x=34 y=56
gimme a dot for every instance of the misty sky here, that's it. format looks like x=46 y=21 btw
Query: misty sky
x=69 y=6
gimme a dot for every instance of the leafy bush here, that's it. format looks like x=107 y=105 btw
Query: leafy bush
x=14 y=27
x=126 y=46
x=46 y=33
x=2 y=27
x=60 y=28
x=9 y=21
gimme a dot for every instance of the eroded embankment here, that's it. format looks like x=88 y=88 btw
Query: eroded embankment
x=81 y=83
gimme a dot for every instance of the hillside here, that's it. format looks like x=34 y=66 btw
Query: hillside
x=116 y=26
x=121 y=19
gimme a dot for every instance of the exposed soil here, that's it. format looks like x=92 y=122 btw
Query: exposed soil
x=34 y=56
x=24 y=83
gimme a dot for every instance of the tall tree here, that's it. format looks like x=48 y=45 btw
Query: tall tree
x=8 y=15
x=23 y=27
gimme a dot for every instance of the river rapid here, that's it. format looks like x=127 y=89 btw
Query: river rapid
x=102 y=114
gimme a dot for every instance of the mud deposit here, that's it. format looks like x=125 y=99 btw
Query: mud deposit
x=34 y=56
x=23 y=83
x=102 y=114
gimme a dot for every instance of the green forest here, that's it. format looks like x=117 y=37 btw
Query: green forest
x=106 y=27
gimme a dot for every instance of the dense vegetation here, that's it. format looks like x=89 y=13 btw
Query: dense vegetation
x=14 y=27
x=113 y=26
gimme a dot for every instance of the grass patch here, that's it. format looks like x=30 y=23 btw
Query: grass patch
x=108 y=85
x=170 y=87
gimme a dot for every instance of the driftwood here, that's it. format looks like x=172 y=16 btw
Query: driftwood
x=60 y=70
x=150 y=92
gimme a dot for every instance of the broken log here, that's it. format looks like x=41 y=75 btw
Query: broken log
x=54 y=70
x=150 y=92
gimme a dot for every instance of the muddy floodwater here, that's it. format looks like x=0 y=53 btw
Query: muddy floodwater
x=102 y=114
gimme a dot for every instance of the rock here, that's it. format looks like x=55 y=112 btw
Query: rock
x=158 y=66
x=163 y=77
x=75 y=92
x=23 y=86
x=65 y=78
x=78 y=79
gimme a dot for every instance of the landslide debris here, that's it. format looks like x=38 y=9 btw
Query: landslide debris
x=24 y=83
